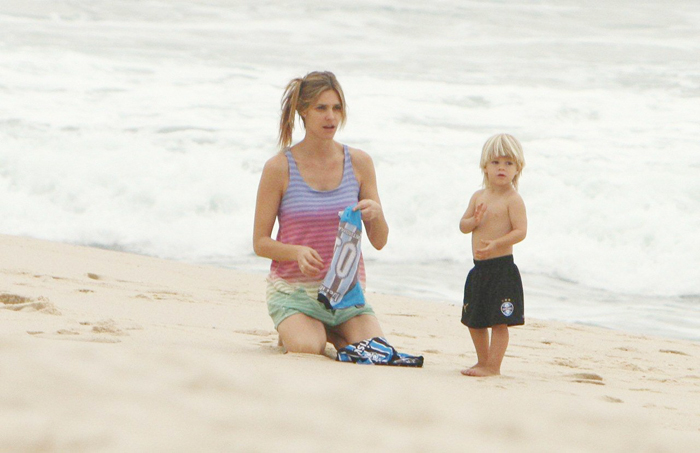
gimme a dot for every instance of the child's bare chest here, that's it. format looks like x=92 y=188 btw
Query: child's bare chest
x=497 y=215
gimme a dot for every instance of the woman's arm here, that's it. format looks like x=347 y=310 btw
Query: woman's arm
x=369 y=204
x=273 y=183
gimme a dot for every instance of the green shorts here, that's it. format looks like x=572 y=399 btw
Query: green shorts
x=287 y=301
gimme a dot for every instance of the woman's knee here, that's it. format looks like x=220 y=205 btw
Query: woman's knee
x=305 y=345
x=360 y=328
x=302 y=334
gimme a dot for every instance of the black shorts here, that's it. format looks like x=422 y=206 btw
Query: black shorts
x=493 y=294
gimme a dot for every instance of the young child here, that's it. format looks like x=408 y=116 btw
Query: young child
x=493 y=293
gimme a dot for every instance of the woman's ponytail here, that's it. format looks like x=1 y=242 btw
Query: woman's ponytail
x=290 y=103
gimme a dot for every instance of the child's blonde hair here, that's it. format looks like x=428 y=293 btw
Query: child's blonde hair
x=299 y=95
x=502 y=145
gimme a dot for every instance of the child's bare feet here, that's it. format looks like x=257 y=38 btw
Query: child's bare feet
x=480 y=371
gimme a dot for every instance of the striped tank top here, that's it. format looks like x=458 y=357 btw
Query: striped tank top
x=310 y=217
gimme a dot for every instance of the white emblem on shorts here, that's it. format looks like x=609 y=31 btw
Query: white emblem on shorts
x=507 y=307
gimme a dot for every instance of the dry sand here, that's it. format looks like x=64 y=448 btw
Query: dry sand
x=115 y=352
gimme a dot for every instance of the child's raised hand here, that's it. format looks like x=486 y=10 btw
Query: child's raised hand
x=479 y=213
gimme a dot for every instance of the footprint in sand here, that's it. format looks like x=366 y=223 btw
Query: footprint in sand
x=104 y=331
x=564 y=362
x=631 y=367
x=587 y=378
x=67 y=332
x=266 y=339
x=401 y=334
x=107 y=327
x=256 y=332
x=166 y=296
x=20 y=303
x=627 y=349
x=672 y=351
x=74 y=335
x=13 y=299
x=405 y=315
x=641 y=389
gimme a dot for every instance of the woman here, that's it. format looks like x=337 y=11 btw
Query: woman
x=304 y=187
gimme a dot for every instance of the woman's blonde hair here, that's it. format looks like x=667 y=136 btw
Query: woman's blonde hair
x=502 y=145
x=298 y=97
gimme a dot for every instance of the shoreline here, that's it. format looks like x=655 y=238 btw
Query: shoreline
x=547 y=298
x=114 y=351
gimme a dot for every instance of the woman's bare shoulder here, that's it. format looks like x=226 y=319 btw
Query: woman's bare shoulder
x=277 y=164
x=360 y=159
x=275 y=174
x=357 y=153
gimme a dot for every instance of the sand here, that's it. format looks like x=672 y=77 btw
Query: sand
x=115 y=352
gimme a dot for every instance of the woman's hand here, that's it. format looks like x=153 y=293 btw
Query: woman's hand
x=369 y=209
x=369 y=205
x=309 y=261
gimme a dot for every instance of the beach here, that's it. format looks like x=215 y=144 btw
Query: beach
x=144 y=128
x=132 y=140
x=110 y=351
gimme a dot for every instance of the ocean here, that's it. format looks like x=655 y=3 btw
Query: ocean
x=143 y=126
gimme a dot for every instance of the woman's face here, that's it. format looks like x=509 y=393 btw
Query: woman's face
x=324 y=115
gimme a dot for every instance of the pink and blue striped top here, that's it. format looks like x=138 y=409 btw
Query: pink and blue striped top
x=310 y=217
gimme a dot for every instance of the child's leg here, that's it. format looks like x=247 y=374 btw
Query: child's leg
x=497 y=350
x=490 y=359
x=480 y=338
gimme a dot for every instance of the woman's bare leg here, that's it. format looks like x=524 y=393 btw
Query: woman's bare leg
x=301 y=333
x=362 y=327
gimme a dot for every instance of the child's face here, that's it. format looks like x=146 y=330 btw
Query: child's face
x=501 y=171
